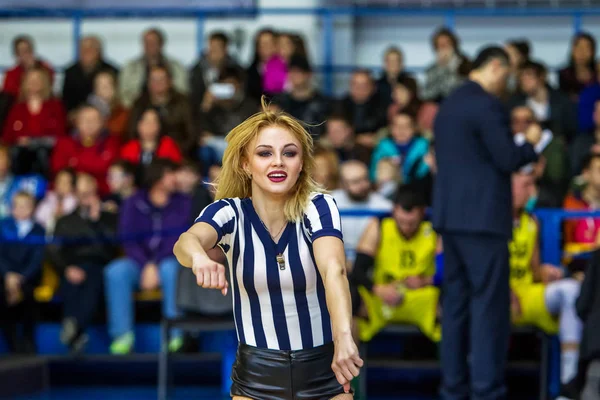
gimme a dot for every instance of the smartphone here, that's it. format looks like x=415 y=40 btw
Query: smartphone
x=222 y=91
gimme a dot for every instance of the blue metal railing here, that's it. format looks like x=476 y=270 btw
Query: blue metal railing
x=327 y=15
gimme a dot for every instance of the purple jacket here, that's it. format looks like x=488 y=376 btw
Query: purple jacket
x=149 y=233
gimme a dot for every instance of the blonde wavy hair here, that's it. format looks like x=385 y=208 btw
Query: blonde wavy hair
x=233 y=181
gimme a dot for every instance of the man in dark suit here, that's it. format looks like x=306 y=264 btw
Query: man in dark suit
x=476 y=154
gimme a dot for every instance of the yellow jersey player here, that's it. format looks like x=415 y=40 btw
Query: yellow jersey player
x=540 y=295
x=392 y=279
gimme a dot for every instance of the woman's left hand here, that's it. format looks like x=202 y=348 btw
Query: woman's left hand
x=346 y=361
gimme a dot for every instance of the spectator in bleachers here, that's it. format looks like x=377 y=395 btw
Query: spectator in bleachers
x=290 y=45
x=151 y=141
x=540 y=295
x=392 y=278
x=84 y=245
x=105 y=98
x=59 y=201
x=11 y=184
x=327 y=168
x=34 y=124
x=223 y=111
x=450 y=68
x=135 y=76
x=90 y=150
x=553 y=174
x=387 y=178
x=265 y=48
x=339 y=137
x=587 y=101
x=150 y=223
x=172 y=106
x=208 y=68
x=363 y=107
x=188 y=178
x=79 y=78
x=581 y=70
x=518 y=54
x=405 y=98
x=275 y=71
x=551 y=107
x=580 y=234
x=21 y=254
x=303 y=100
x=23 y=50
x=121 y=183
x=405 y=147
x=393 y=72
x=356 y=194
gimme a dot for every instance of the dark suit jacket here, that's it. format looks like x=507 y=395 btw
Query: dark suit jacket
x=475 y=155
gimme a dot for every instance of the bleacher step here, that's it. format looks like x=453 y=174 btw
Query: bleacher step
x=389 y=362
x=23 y=375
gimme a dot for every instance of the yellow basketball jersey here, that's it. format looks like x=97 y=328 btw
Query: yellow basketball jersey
x=521 y=249
x=398 y=258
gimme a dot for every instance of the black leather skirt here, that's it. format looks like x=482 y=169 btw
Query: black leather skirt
x=264 y=374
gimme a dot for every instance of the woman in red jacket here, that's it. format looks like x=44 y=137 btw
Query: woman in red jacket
x=34 y=123
x=91 y=150
x=26 y=60
x=150 y=142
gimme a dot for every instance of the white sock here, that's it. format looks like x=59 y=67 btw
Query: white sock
x=568 y=365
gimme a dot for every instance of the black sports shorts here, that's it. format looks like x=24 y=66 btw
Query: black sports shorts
x=265 y=374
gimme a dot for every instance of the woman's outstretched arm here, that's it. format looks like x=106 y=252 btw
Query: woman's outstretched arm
x=330 y=258
x=190 y=250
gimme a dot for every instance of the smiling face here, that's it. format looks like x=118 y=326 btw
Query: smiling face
x=274 y=160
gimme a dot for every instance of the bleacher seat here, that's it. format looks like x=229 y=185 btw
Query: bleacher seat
x=410 y=330
x=192 y=325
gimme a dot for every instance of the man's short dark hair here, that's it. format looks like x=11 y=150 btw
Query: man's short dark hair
x=488 y=54
x=157 y=169
x=409 y=197
x=522 y=46
x=127 y=167
x=363 y=71
x=338 y=115
x=234 y=73
x=220 y=36
x=537 y=67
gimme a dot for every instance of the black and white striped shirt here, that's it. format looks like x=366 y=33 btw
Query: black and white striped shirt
x=276 y=306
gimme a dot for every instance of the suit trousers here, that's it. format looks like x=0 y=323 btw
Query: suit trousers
x=476 y=316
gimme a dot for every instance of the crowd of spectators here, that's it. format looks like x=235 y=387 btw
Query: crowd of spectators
x=131 y=151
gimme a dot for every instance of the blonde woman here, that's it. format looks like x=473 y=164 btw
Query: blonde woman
x=283 y=242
